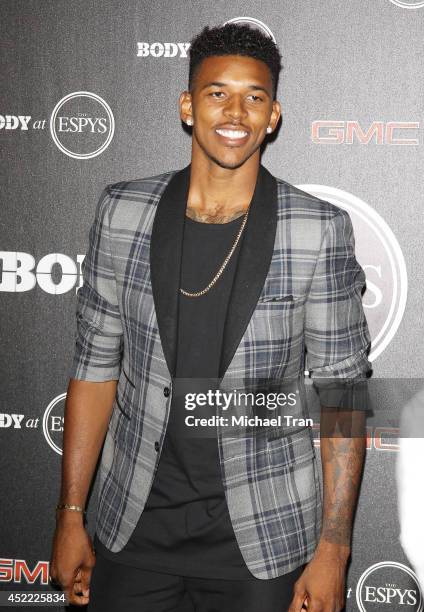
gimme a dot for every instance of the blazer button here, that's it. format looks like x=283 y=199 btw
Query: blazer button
x=157 y=446
x=166 y=391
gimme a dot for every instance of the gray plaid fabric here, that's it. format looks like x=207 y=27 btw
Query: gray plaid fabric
x=271 y=482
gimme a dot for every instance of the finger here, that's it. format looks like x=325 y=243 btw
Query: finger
x=72 y=588
x=54 y=582
x=81 y=590
x=52 y=575
x=296 y=603
x=86 y=579
x=77 y=588
x=78 y=600
x=76 y=596
x=315 y=605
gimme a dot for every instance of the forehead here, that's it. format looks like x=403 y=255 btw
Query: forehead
x=233 y=69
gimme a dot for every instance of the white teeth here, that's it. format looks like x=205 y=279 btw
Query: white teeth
x=232 y=133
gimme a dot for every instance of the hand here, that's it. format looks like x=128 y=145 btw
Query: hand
x=321 y=586
x=73 y=560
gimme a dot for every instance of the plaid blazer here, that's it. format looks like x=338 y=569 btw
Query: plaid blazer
x=295 y=303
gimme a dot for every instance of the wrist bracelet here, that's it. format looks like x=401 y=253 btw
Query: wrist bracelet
x=70 y=507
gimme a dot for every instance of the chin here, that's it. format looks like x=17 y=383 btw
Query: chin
x=230 y=164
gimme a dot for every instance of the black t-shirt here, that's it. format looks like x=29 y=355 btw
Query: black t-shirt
x=185 y=527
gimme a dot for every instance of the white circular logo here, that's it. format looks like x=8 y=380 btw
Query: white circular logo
x=82 y=125
x=53 y=423
x=260 y=25
x=379 y=253
x=408 y=4
x=388 y=582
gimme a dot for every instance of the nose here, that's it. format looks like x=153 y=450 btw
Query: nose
x=235 y=108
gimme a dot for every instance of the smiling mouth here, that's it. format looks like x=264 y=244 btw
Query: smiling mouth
x=232 y=134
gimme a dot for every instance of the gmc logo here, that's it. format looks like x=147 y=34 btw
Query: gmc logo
x=15 y=570
x=346 y=132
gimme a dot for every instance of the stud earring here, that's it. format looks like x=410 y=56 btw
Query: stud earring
x=269 y=129
x=189 y=121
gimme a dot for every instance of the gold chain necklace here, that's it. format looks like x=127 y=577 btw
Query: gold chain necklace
x=224 y=264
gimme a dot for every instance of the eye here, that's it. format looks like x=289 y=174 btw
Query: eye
x=255 y=98
x=216 y=94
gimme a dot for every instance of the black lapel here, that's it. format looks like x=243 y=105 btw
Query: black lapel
x=253 y=264
x=165 y=260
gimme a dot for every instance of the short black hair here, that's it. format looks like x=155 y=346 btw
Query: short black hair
x=234 y=39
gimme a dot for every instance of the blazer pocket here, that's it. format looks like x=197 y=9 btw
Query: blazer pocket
x=277 y=298
x=128 y=379
x=124 y=396
x=119 y=421
x=121 y=407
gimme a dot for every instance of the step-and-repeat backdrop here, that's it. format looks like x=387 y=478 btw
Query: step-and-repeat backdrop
x=89 y=97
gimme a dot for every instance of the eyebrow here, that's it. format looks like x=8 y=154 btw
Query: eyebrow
x=251 y=87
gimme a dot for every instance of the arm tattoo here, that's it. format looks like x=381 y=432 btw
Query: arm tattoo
x=342 y=456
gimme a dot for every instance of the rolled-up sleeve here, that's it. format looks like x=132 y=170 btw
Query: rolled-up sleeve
x=98 y=336
x=337 y=337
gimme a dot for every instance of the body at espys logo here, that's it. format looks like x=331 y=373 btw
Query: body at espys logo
x=408 y=4
x=53 y=423
x=82 y=125
x=391 y=583
x=379 y=253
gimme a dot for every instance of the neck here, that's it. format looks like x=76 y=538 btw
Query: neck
x=218 y=195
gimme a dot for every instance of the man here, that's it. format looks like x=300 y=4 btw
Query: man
x=219 y=270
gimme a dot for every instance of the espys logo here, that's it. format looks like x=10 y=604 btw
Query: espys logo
x=180 y=49
x=379 y=253
x=408 y=4
x=82 y=125
x=391 y=583
x=255 y=23
x=53 y=423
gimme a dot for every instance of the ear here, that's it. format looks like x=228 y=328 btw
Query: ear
x=186 y=107
x=275 y=114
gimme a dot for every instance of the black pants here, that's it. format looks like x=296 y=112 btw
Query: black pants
x=115 y=586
